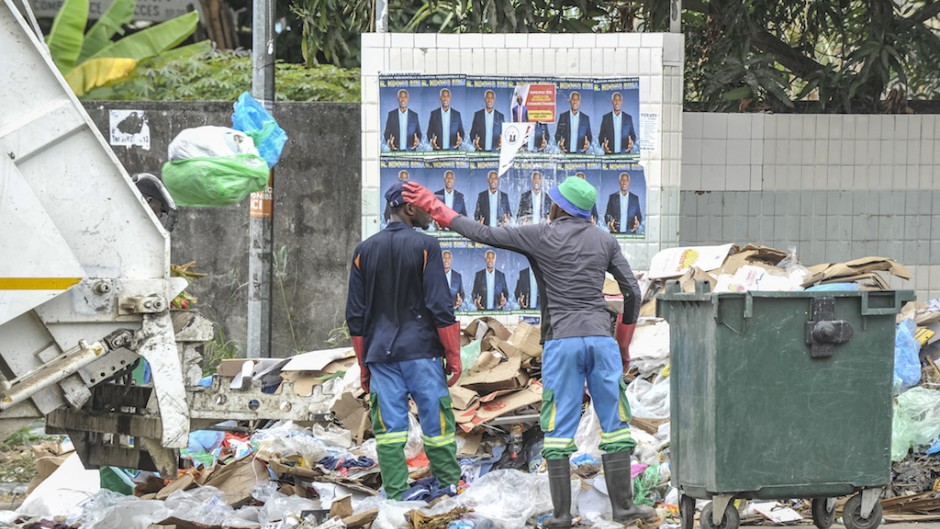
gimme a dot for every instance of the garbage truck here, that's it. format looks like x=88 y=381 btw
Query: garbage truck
x=86 y=288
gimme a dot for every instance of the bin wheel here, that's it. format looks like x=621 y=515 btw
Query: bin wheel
x=686 y=511
x=852 y=514
x=731 y=519
x=822 y=517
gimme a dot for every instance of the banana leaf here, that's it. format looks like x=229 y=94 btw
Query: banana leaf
x=98 y=72
x=68 y=32
x=111 y=23
x=153 y=40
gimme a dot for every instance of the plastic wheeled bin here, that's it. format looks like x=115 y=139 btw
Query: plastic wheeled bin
x=778 y=395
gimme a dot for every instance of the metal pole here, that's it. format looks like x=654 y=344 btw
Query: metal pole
x=675 y=16
x=381 y=16
x=261 y=221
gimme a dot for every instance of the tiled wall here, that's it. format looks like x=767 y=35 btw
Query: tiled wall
x=834 y=187
x=655 y=58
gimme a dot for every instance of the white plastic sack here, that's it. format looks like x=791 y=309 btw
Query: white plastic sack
x=281 y=507
x=286 y=439
x=63 y=491
x=415 y=443
x=209 y=141
x=588 y=435
x=649 y=349
x=649 y=400
x=391 y=512
x=508 y=497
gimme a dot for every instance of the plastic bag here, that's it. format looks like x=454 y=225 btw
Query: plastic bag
x=391 y=512
x=281 y=507
x=906 y=357
x=111 y=510
x=215 y=182
x=253 y=119
x=415 y=444
x=588 y=435
x=201 y=142
x=286 y=439
x=916 y=421
x=649 y=350
x=470 y=353
x=649 y=400
x=203 y=505
x=508 y=497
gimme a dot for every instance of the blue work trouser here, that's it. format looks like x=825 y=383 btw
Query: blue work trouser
x=566 y=364
x=391 y=384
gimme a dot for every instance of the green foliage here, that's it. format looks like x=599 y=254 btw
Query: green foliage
x=93 y=60
x=223 y=76
x=217 y=350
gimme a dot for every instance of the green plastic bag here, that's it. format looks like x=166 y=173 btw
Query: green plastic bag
x=916 y=421
x=215 y=181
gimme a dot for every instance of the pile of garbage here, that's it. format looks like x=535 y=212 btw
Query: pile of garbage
x=326 y=475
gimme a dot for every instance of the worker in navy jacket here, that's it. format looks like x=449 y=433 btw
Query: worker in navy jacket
x=400 y=314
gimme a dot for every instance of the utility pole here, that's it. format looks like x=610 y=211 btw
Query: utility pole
x=261 y=214
x=675 y=16
x=381 y=16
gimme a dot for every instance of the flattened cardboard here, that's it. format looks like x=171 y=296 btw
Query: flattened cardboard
x=317 y=360
x=305 y=381
x=505 y=405
x=673 y=262
x=184 y=482
x=471 y=444
x=528 y=338
x=463 y=398
x=361 y=519
x=485 y=362
x=828 y=271
x=354 y=415
x=236 y=479
x=506 y=375
x=230 y=367
x=694 y=274
x=341 y=507
x=481 y=327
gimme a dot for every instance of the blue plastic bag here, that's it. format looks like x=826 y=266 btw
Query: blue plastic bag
x=906 y=357
x=253 y=119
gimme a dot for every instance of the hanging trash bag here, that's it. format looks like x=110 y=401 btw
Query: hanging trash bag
x=215 y=181
x=253 y=119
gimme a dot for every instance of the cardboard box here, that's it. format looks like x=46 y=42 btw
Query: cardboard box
x=354 y=416
x=482 y=327
x=505 y=375
x=316 y=367
x=528 y=338
x=847 y=271
x=505 y=405
x=237 y=479
x=673 y=262
x=463 y=398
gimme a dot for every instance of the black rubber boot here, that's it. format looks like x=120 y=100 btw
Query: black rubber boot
x=559 y=481
x=620 y=490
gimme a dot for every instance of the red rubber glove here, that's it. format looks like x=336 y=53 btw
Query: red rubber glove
x=364 y=375
x=450 y=339
x=422 y=197
x=623 y=335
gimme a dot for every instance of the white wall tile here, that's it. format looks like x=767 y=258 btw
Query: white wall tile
x=656 y=89
x=517 y=40
x=394 y=60
x=370 y=174
x=673 y=49
x=448 y=40
x=757 y=181
x=540 y=40
x=510 y=62
x=738 y=178
x=656 y=60
x=425 y=40
x=713 y=177
x=633 y=61
x=372 y=40
x=497 y=40
x=691 y=177
x=455 y=59
x=692 y=124
x=471 y=41
x=630 y=40
x=477 y=62
x=607 y=40
x=403 y=40
x=739 y=126
x=738 y=152
x=373 y=61
x=646 y=59
x=562 y=40
x=585 y=66
x=714 y=152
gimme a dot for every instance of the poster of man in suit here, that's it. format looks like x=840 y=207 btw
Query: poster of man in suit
x=446 y=130
x=488 y=98
x=624 y=192
x=449 y=178
x=393 y=170
x=619 y=103
x=576 y=122
x=492 y=206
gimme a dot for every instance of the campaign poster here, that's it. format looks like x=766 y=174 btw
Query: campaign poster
x=617 y=103
x=448 y=117
x=533 y=101
x=489 y=194
x=405 y=104
x=449 y=178
x=589 y=169
x=575 y=131
x=532 y=177
x=483 y=279
x=395 y=170
x=623 y=197
x=488 y=98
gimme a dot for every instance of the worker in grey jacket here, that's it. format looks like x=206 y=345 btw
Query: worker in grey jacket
x=569 y=257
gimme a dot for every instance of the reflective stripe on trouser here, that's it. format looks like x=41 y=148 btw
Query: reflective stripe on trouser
x=566 y=364
x=391 y=384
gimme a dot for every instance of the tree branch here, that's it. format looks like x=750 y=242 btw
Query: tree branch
x=929 y=11
x=792 y=59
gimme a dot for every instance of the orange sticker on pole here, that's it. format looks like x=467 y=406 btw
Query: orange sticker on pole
x=262 y=205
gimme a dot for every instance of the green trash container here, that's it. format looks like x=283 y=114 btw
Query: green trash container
x=779 y=395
